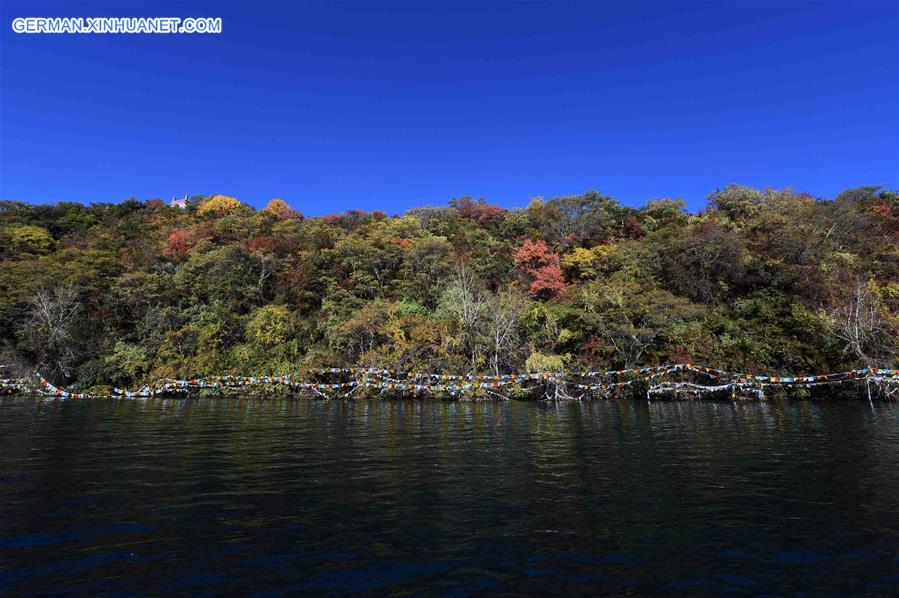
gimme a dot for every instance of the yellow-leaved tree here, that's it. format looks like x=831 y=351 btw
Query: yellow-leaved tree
x=271 y=325
x=218 y=204
x=26 y=238
x=277 y=207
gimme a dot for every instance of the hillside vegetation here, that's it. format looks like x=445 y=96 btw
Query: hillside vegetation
x=759 y=281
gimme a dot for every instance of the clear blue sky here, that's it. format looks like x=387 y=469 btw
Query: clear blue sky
x=389 y=106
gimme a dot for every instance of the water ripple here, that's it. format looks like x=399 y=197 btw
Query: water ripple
x=331 y=497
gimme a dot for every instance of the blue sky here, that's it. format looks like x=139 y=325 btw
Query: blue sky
x=390 y=106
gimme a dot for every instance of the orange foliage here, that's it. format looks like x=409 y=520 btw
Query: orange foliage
x=179 y=243
x=277 y=207
x=541 y=266
x=263 y=244
x=401 y=243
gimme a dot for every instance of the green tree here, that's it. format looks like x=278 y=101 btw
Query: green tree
x=25 y=238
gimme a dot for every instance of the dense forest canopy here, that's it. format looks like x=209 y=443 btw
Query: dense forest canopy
x=760 y=280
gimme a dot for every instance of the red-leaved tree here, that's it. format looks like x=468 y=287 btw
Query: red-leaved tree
x=179 y=243
x=479 y=211
x=541 y=266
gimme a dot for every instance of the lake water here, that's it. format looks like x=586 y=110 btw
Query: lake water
x=412 y=497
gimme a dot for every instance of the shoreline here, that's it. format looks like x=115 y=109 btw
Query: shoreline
x=847 y=396
x=665 y=382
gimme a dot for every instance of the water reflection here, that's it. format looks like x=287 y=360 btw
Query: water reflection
x=425 y=496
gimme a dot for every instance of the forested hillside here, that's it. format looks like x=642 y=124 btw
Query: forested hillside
x=760 y=280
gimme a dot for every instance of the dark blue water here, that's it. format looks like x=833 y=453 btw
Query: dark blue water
x=185 y=496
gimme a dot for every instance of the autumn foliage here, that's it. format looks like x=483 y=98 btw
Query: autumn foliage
x=218 y=205
x=757 y=280
x=479 y=211
x=541 y=267
x=178 y=243
x=277 y=207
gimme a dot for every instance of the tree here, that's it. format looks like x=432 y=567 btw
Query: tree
x=859 y=318
x=230 y=274
x=479 y=211
x=705 y=265
x=428 y=263
x=25 y=238
x=587 y=264
x=548 y=282
x=278 y=208
x=218 y=205
x=740 y=204
x=580 y=263
x=629 y=318
x=127 y=364
x=464 y=302
x=367 y=268
x=270 y=325
x=533 y=255
x=362 y=333
x=660 y=213
x=574 y=220
x=859 y=194
x=541 y=267
x=499 y=329
x=762 y=280
x=178 y=243
x=50 y=327
x=541 y=362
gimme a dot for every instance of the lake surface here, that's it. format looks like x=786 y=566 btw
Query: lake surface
x=413 y=497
